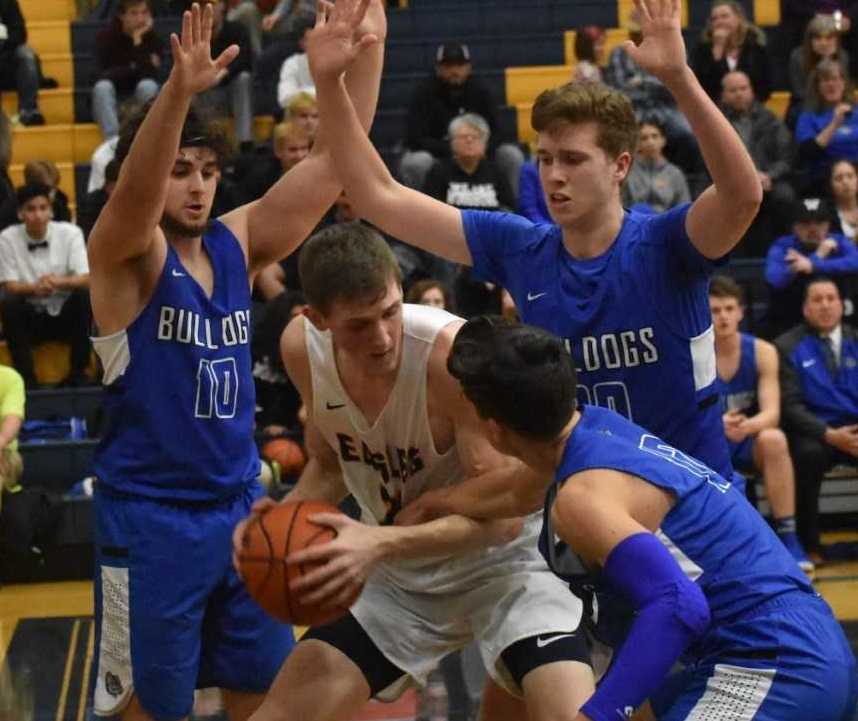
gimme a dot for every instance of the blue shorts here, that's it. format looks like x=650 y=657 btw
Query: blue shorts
x=789 y=662
x=171 y=613
x=742 y=454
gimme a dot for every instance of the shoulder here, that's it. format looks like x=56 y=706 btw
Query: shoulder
x=787 y=342
x=440 y=383
x=293 y=350
x=766 y=354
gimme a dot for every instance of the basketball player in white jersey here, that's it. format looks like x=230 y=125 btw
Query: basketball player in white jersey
x=386 y=422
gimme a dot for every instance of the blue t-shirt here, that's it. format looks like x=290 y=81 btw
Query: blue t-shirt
x=636 y=319
x=719 y=540
x=180 y=412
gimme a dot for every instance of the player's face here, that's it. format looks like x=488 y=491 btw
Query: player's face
x=370 y=333
x=35 y=215
x=579 y=179
x=844 y=180
x=726 y=315
x=823 y=308
x=190 y=192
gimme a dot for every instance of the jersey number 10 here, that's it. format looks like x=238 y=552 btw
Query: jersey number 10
x=217 y=388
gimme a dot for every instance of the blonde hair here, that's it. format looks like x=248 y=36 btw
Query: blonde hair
x=746 y=28
x=301 y=101
x=289 y=129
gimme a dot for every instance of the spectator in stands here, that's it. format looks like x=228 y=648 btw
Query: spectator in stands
x=797 y=14
x=531 y=199
x=795 y=259
x=295 y=72
x=821 y=42
x=7 y=189
x=452 y=91
x=843 y=184
x=128 y=57
x=290 y=144
x=819 y=385
x=304 y=112
x=651 y=100
x=750 y=392
x=827 y=130
x=771 y=148
x=271 y=18
x=92 y=203
x=468 y=179
x=430 y=292
x=45 y=276
x=46 y=173
x=234 y=94
x=589 y=48
x=12 y=401
x=19 y=67
x=730 y=42
x=652 y=180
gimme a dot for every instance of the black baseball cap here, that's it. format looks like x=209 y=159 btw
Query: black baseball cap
x=453 y=53
x=811 y=209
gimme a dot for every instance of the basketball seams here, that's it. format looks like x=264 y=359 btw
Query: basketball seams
x=287 y=545
x=267 y=539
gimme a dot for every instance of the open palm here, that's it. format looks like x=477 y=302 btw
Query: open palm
x=662 y=51
x=194 y=70
x=335 y=41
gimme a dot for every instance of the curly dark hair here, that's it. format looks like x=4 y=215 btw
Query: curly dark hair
x=199 y=130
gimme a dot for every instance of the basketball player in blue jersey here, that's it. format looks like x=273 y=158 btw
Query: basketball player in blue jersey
x=751 y=402
x=177 y=466
x=626 y=291
x=708 y=580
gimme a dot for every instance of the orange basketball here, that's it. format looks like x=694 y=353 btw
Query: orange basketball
x=287 y=453
x=268 y=540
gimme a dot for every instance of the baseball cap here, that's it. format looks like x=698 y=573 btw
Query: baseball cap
x=453 y=53
x=811 y=209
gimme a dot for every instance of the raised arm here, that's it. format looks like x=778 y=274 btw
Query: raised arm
x=722 y=214
x=402 y=212
x=277 y=223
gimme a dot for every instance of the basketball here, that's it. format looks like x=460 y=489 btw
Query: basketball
x=268 y=540
x=287 y=453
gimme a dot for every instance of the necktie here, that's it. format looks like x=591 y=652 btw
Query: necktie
x=831 y=359
x=35 y=246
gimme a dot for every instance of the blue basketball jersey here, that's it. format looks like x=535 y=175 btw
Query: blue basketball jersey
x=740 y=392
x=180 y=394
x=636 y=319
x=716 y=536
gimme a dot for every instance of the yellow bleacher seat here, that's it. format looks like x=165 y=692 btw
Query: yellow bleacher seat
x=525 y=83
x=778 y=102
x=56 y=105
x=50 y=361
x=40 y=10
x=49 y=36
x=59 y=66
x=767 y=12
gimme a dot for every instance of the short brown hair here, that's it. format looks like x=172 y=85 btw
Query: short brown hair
x=42 y=171
x=723 y=286
x=577 y=103
x=348 y=261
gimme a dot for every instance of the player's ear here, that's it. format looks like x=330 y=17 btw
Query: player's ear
x=622 y=166
x=316 y=318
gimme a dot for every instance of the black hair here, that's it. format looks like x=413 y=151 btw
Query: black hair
x=518 y=375
x=26 y=193
x=814 y=279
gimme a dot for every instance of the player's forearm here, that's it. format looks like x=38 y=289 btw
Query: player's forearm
x=761 y=421
x=507 y=492
x=448 y=535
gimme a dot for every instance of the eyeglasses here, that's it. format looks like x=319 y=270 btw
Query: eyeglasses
x=467 y=136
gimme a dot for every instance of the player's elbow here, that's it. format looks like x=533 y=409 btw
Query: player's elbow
x=691 y=610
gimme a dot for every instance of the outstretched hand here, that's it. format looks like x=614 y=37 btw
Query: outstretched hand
x=662 y=51
x=337 y=40
x=194 y=70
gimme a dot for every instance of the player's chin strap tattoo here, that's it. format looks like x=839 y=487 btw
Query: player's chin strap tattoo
x=672 y=613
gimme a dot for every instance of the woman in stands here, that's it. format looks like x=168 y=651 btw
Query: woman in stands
x=821 y=42
x=827 y=130
x=731 y=42
x=843 y=183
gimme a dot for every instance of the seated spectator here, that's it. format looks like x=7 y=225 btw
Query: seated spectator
x=304 y=112
x=589 y=48
x=430 y=292
x=827 y=130
x=234 y=94
x=295 y=72
x=90 y=207
x=652 y=180
x=128 y=57
x=290 y=145
x=750 y=392
x=771 y=148
x=19 y=66
x=843 y=185
x=730 y=42
x=7 y=189
x=262 y=21
x=12 y=400
x=468 y=179
x=794 y=259
x=819 y=386
x=531 y=199
x=821 y=42
x=45 y=278
x=652 y=100
x=452 y=91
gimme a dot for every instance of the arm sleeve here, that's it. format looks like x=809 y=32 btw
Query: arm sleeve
x=493 y=238
x=777 y=272
x=672 y=613
x=796 y=417
x=669 y=227
x=8 y=268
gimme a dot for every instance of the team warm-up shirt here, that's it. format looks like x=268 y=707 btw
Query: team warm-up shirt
x=180 y=397
x=388 y=464
x=636 y=319
x=718 y=539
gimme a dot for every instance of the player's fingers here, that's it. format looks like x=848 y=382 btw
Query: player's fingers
x=316 y=578
x=195 y=24
x=207 y=21
x=333 y=520
x=262 y=505
x=643 y=9
x=359 y=13
x=175 y=47
x=186 y=30
x=319 y=552
x=325 y=593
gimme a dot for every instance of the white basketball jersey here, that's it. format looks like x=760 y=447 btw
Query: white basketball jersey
x=387 y=465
